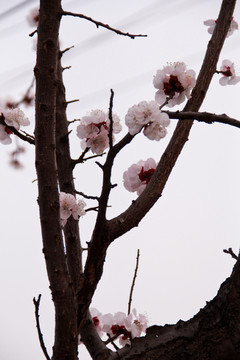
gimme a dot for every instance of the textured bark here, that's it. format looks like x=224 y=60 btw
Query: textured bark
x=213 y=334
x=60 y=282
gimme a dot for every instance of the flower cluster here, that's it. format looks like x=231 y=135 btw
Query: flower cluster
x=119 y=326
x=147 y=115
x=94 y=130
x=137 y=176
x=14 y=118
x=174 y=82
x=212 y=23
x=228 y=71
x=70 y=206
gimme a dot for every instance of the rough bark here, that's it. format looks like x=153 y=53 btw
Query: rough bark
x=60 y=282
x=213 y=334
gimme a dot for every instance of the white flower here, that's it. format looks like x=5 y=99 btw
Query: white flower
x=5 y=135
x=15 y=117
x=212 y=23
x=138 y=325
x=69 y=206
x=174 y=84
x=137 y=176
x=148 y=116
x=94 y=129
x=67 y=202
x=228 y=71
x=78 y=209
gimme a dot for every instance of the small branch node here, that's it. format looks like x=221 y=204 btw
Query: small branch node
x=230 y=252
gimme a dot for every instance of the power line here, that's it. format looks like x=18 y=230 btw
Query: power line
x=15 y=8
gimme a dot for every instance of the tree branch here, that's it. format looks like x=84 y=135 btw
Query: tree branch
x=100 y=24
x=40 y=336
x=206 y=117
x=134 y=214
x=133 y=282
x=110 y=134
x=53 y=248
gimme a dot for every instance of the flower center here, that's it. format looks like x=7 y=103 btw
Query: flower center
x=227 y=71
x=7 y=130
x=121 y=330
x=145 y=175
x=95 y=320
x=172 y=86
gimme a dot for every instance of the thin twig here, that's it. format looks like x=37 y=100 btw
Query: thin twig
x=61 y=52
x=111 y=340
x=110 y=134
x=87 y=196
x=40 y=336
x=133 y=282
x=98 y=23
x=81 y=158
x=33 y=33
x=206 y=117
x=72 y=101
x=229 y=251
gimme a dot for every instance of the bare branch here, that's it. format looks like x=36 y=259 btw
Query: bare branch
x=98 y=23
x=110 y=134
x=230 y=251
x=87 y=196
x=133 y=282
x=40 y=336
x=206 y=117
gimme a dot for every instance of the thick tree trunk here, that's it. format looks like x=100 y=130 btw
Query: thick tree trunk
x=213 y=334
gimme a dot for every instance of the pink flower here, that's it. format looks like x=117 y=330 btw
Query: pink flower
x=5 y=135
x=137 y=176
x=94 y=130
x=212 y=23
x=139 y=324
x=148 y=116
x=15 y=117
x=174 y=84
x=69 y=206
x=228 y=71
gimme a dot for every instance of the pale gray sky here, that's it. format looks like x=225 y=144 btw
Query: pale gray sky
x=181 y=239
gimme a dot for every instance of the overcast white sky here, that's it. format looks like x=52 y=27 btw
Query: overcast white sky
x=181 y=239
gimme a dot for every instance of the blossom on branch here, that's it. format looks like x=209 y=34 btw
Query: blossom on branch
x=15 y=117
x=147 y=116
x=212 y=23
x=69 y=206
x=94 y=130
x=121 y=326
x=228 y=71
x=174 y=83
x=12 y=117
x=137 y=176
